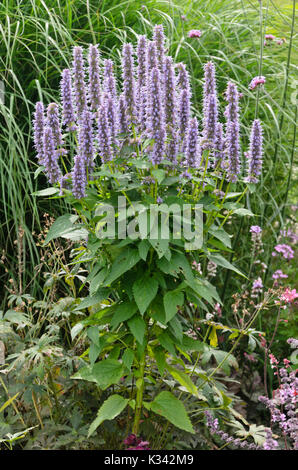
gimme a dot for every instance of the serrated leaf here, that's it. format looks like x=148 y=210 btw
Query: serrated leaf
x=184 y=380
x=168 y=406
x=172 y=300
x=144 y=291
x=123 y=312
x=126 y=261
x=137 y=326
x=107 y=372
x=111 y=408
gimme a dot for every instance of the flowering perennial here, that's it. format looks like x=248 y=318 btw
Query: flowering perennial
x=154 y=106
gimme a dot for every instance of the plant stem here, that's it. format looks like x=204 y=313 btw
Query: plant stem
x=139 y=397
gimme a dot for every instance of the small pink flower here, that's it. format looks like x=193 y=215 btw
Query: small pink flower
x=194 y=33
x=269 y=37
x=289 y=295
x=256 y=81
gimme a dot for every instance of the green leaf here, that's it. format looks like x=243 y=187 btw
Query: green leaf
x=143 y=248
x=144 y=291
x=168 y=406
x=84 y=373
x=111 y=408
x=137 y=326
x=128 y=358
x=243 y=212
x=46 y=192
x=63 y=225
x=123 y=263
x=222 y=235
x=184 y=380
x=123 y=312
x=107 y=372
x=221 y=261
x=160 y=358
x=213 y=337
x=172 y=300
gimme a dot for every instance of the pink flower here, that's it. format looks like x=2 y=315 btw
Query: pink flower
x=256 y=81
x=269 y=37
x=289 y=295
x=194 y=33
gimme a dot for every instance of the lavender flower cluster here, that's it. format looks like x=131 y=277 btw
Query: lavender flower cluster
x=153 y=102
x=283 y=407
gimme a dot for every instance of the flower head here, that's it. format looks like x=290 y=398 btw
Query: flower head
x=194 y=33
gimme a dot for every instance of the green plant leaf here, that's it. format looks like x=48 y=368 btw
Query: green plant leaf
x=172 y=300
x=111 y=408
x=123 y=263
x=107 y=372
x=63 y=225
x=221 y=261
x=137 y=326
x=168 y=406
x=144 y=291
x=123 y=312
x=184 y=380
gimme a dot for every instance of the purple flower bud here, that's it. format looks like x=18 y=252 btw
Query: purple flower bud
x=79 y=80
x=94 y=78
x=54 y=123
x=79 y=181
x=255 y=153
x=192 y=144
x=38 y=128
x=50 y=159
x=129 y=91
x=104 y=137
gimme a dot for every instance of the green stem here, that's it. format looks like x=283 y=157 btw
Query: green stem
x=139 y=397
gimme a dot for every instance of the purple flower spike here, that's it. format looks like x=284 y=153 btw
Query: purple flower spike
x=142 y=80
x=109 y=78
x=50 y=159
x=38 y=128
x=68 y=116
x=192 y=144
x=122 y=120
x=209 y=82
x=151 y=57
x=79 y=80
x=184 y=116
x=94 y=78
x=232 y=97
x=86 y=148
x=210 y=122
x=156 y=112
x=170 y=98
x=54 y=123
x=219 y=147
x=255 y=153
x=104 y=137
x=79 y=181
x=233 y=151
x=183 y=77
x=129 y=83
x=159 y=39
x=112 y=118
